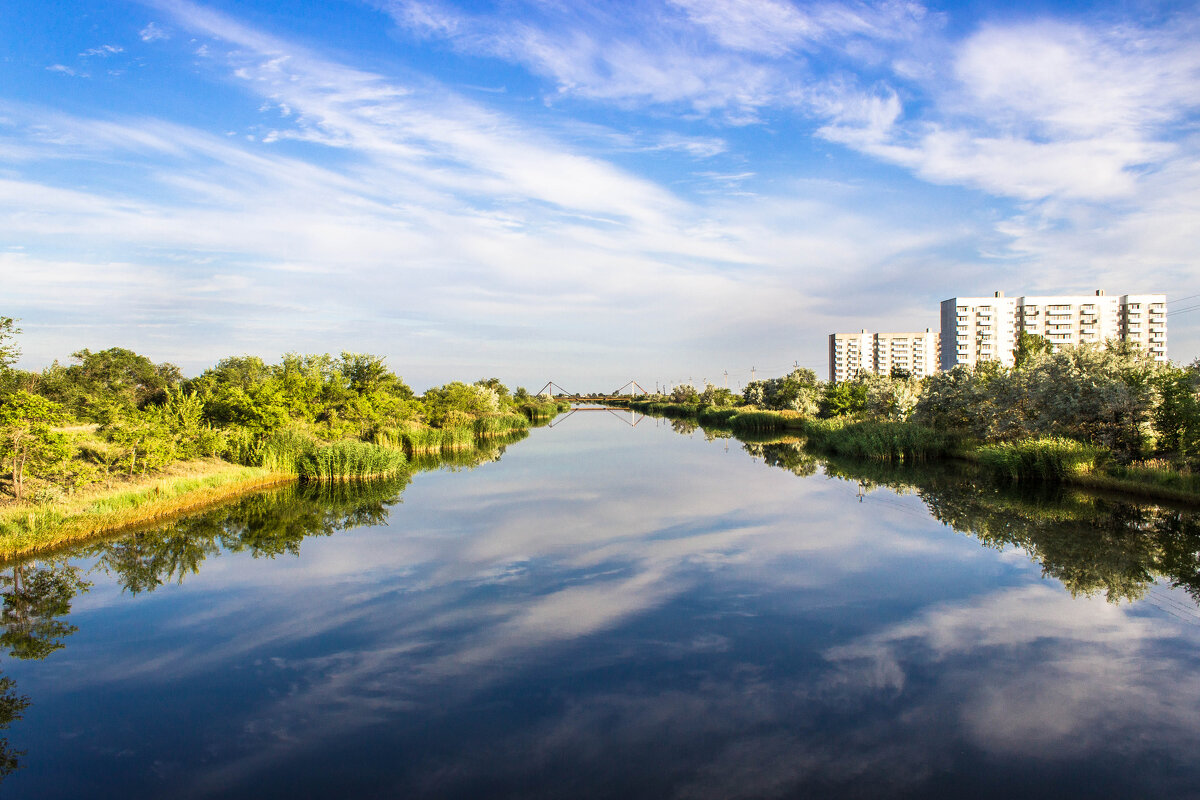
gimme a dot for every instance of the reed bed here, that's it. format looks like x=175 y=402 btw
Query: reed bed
x=538 y=411
x=459 y=437
x=878 y=441
x=1048 y=460
x=758 y=421
x=491 y=426
x=349 y=461
x=284 y=450
x=717 y=417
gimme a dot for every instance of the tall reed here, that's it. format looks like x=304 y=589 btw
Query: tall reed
x=283 y=450
x=878 y=441
x=495 y=425
x=757 y=421
x=348 y=461
x=1049 y=459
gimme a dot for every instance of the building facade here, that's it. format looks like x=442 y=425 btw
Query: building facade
x=851 y=353
x=978 y=329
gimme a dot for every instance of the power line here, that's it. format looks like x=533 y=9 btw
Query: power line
x=1183 y=310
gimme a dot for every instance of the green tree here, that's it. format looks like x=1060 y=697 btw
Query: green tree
x=145 y=440
x=847 y=398
x=9 y=351
x=109 y=383
x=1029 y=347
x=457 y=401
x=799 y=390
x=29 y=444
x=1177 y=416
x=34 y=599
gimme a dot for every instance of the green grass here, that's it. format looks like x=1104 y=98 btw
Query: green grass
x=349 y=461
x=29 y=528
x=758 y=421
x=1183 y=482
x=283 y=451
x=877 y=441
x=717 y=417
x=1050 y=459
x=495 y=425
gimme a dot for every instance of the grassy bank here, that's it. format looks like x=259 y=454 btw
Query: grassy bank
x=183 y=488
x=284 y=456
x=1047 y=460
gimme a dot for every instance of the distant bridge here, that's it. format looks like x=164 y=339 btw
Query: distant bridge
x=595 y=397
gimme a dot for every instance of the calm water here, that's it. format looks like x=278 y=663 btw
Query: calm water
x=618 y=611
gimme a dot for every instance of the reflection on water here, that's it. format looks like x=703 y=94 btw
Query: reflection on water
x=1091 y=544
x=264 y=525
x=613 y=610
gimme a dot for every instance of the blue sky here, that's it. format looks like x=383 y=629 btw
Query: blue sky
x=581 y=191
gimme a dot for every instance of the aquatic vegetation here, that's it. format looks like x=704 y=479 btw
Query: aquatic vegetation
x=283 y=451
x=880 y=441
x=349 y=461
x=758 y=421
x=1044 y=459
x=499 y=425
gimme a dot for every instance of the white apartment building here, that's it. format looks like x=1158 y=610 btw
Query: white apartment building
x=1144 y=321
x=978 y=329
x=851 y=353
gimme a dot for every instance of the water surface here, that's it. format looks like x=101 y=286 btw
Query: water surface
x=617 y=610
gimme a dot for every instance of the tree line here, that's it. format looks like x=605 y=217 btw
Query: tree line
x=115 y=413
x=1112 y=396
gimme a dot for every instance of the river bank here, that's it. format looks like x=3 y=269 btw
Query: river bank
x=37 y=525
x=1032 y=460
x=182 y=488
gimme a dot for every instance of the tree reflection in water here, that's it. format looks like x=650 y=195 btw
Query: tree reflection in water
x=1091 y=544
x=38 y=592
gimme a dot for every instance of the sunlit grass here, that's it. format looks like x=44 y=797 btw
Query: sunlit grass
x=185 y=487
x=348 y=461
x=877 y=441
x=1047 y=459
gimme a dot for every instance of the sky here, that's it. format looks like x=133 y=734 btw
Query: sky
x=582 y=192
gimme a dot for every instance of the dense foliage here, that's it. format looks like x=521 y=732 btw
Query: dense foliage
x=1052 y=411
x=116 y=413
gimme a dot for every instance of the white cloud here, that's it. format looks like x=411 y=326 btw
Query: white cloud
x=153 y=33
x=103 y=51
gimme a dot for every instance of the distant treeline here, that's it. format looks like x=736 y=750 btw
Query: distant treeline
x=1049 y=415
x=116 y=413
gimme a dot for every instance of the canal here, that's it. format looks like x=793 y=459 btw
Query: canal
x=617 y=606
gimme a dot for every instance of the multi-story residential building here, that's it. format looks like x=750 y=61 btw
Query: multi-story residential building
x=851 y=353
x=978 y=329
x=987 y=328
x=1071 y=319
x=1144 y=321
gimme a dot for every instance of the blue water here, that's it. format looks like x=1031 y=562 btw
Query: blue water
x=613 y=611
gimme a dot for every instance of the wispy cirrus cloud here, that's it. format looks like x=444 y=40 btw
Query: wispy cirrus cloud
x=451 y=226
x=666 y=55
